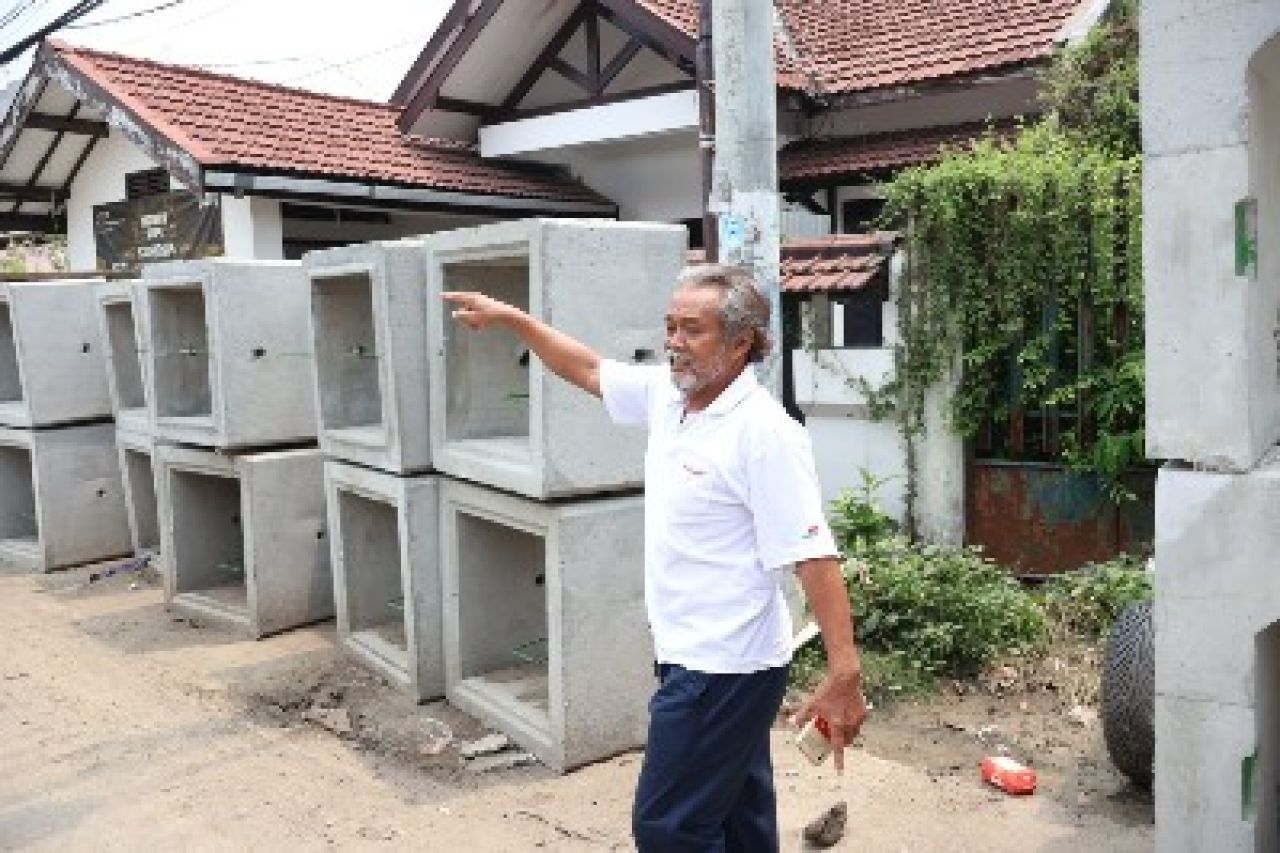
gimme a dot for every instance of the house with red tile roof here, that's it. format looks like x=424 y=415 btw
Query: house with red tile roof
x=142 y=160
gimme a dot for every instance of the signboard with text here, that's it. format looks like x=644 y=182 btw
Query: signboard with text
x=168 y=226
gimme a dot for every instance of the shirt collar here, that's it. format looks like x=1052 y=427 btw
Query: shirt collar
x=743 y=385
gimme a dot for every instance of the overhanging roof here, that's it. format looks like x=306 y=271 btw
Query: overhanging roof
x=226 y=134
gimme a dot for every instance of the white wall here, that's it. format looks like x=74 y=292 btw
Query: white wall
x=658 y=178
x=251 y=228
x=101 y=180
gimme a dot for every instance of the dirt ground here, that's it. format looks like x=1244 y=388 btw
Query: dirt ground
x=126 y=727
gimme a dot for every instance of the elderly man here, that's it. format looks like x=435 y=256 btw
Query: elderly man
x=732 y=502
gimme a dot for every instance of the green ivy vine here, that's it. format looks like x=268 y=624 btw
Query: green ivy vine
x=1023 y=261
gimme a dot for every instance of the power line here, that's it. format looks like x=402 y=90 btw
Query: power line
x=79 y=10
x=138 y=14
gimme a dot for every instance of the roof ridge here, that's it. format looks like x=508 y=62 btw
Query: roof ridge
x=93 y=53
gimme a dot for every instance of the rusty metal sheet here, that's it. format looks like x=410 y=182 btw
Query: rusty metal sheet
x=1037 y=518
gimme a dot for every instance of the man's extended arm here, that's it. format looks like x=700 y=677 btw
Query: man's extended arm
x=839 y=698
x=569 y=359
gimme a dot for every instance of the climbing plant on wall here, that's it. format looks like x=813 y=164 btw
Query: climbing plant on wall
x=1023 y=260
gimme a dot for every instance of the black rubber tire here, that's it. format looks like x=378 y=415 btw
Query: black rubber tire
x=1129 y=695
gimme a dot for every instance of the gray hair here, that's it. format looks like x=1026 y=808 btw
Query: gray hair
x=743 y=308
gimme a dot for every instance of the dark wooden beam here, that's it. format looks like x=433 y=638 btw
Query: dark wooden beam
x=43 y=162
x=619 y=62
x=26 y=192
x=549 y=53
x=604 y=100
x=654 y=33
x=471 y=108
x=592 y=30
x=75 y=169
x=82 y=126
x=427 y=92
x=42 y=223
x=412 y=81
x=573 y=75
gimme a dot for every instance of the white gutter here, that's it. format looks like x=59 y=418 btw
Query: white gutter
x=239 y=182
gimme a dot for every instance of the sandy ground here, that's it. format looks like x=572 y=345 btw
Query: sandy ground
x=125 y=727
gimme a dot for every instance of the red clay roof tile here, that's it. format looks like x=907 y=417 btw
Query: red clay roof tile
x=845 y=46
x=817 y=160
x=836 y=263
x=230 y=122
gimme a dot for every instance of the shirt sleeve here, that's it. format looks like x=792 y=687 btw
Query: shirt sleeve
x=786 y=499
x=625 y=389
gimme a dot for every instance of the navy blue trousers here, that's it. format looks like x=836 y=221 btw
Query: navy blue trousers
x=707 y=780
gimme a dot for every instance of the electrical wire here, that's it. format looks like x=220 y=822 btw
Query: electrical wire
x=79 y=10
x=138 y=14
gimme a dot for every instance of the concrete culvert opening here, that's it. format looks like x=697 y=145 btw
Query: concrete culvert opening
x=10 y=378
x=142 y=493
x=376 y=606
x=347 y=356
x=18 y=521
x=126 y=365
x=502 y=613
x=180 y=337
x=487 y=385
x=208 y=538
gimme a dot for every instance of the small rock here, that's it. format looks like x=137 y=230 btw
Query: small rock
x=501 y=761
x=336 y=720
x=486 y=745
x=827 y=829
x=438 y=738
x=1083 y=716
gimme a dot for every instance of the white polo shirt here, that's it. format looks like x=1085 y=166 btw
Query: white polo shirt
x=731 y=502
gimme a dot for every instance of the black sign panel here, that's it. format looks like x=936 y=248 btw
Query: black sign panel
x=164 y=227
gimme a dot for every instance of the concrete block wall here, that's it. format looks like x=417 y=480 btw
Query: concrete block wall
x=544 y=639
x=1217 y=588
x=61 y=499
x=1211 y=141
x=497 y=416
x=245 y=538
x=124 y=341
x=230 y=354
x=368 y=322
x=52 y=363
x=386 y=566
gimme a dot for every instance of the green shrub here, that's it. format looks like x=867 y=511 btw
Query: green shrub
x=1085 y=602
x=857 y=520
x=949 y=610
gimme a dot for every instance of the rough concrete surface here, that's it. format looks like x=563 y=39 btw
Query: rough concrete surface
x=230 y=352
x=369 y=328
x=125 y=342
x=543 y=639
x=61 y=496
x=245 y=538
x=52 y=361
x=497 y=416
x=385 y=546
x=123 y=729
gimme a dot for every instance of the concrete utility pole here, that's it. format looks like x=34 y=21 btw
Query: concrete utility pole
x=744 y=185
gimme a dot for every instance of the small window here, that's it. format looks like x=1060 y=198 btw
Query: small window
x=146 y=183
x=859 y=215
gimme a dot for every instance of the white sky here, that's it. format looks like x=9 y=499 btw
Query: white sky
x=359 y=49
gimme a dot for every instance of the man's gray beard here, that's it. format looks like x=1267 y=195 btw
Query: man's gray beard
x=689 y=384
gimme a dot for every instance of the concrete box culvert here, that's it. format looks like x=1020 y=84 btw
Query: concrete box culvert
x=497 y=416
x=138 y=471
x=368 y=323
x=61 y=497
x=125 y=341
x=52 y=361
x=386 y=560
x=546 y=637
x=244 y=538
x=230 y=353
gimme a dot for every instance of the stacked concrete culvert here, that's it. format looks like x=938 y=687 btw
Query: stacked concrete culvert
x=61 y=494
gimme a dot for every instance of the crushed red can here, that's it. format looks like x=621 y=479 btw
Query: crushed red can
x=1010 y=776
